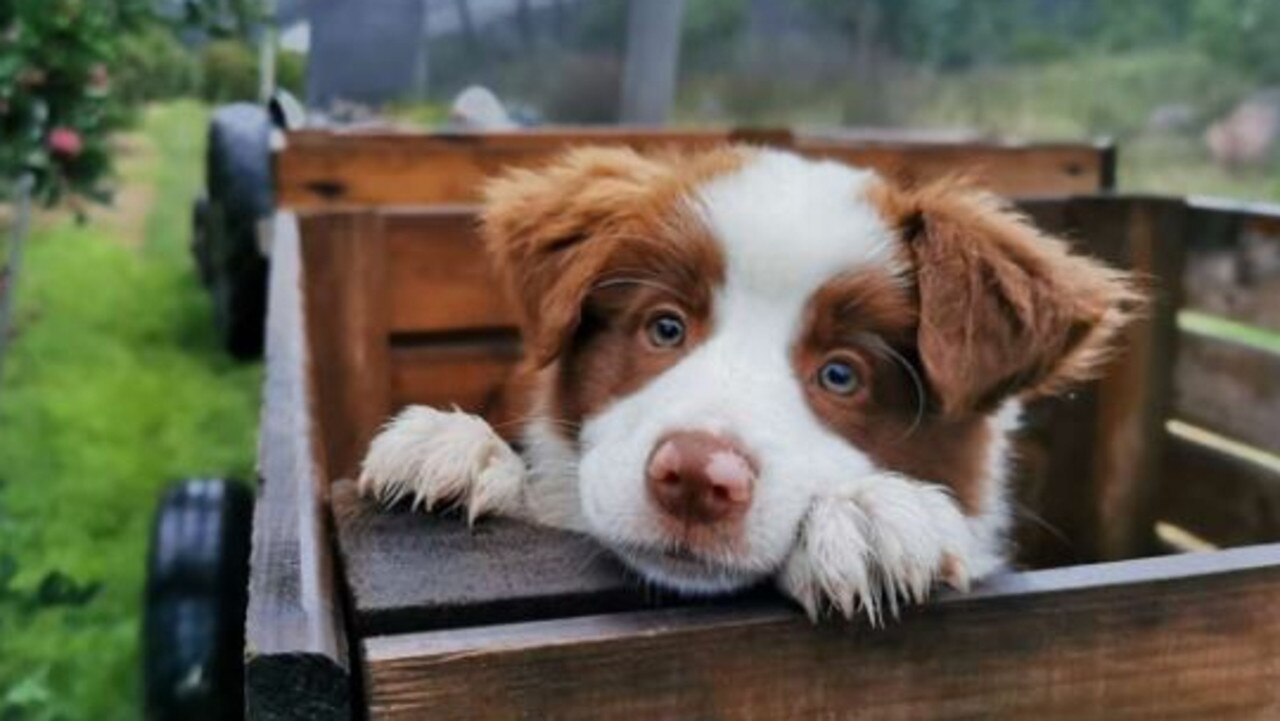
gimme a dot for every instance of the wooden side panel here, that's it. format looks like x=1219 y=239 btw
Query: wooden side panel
x=468 y=373
x=1024 y=170
x=296 y=663
x=1227 y=498
x=1091 y=461
x=318 y=169
x=327 y=170
x=1229 y=388
x=1189 y=637
x=440 y=277
x=347 y=310
x=1233 y=263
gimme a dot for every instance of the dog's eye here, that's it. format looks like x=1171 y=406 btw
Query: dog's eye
x=839 y=377
x=666 y=330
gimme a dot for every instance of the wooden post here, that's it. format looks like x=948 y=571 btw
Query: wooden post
x=296 y=662
x=653 y=56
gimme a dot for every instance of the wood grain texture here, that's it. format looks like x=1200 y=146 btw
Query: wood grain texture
x=1223 y=497
x=1188 y=637
x=1014 y=170
x=1101 y=448
x=440 y=277
x=408 y=570
x=1229 y=388
x=319 y=169
x=347 y=169
x=347 y=309
x=296 y=662
x=468 y=372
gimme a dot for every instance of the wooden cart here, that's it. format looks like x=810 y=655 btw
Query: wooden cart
x=380 y=297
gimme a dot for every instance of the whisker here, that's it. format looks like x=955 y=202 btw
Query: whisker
x=527 y=419
x=1025 y=512
x=878 y=344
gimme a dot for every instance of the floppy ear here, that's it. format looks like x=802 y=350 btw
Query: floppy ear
x=1004 y=309
x=548 y=233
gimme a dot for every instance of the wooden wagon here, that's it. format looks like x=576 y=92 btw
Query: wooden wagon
x=380 y=297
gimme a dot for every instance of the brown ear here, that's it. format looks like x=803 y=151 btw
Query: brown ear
x=548 y=234
x=1004 y=309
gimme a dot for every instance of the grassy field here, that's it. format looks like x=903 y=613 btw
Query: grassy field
x=113 y=388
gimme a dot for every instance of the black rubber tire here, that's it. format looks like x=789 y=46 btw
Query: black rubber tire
x=238 y=167
x=196 y=593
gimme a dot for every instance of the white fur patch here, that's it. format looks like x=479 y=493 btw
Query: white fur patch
x=881 y=540
x=788 y=224
x=440 y=457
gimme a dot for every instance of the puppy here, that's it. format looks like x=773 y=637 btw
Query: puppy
x=741 y=364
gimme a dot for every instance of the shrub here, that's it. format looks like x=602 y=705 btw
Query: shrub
x=153 y=65
x=229 y=70
x=291 y=72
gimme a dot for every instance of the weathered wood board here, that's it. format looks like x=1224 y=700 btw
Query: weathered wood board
x=297 y=664
x=1190 y=637
x=319 y=169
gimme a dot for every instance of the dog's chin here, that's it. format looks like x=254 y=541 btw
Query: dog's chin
x=685 y=572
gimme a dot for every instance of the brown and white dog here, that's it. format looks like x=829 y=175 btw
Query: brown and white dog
x=743 y=364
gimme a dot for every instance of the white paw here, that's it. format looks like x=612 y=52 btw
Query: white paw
x=885 y=541
x=446 y=457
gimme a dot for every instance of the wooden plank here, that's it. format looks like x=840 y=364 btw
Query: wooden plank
x=409 y=571
x=1229 y=388
x=468 y=372
x=1225 y=497
x=440 y=278
x=1185 y=637
x=325 y=170
x=296 y=664
x=1089 y=462
x=1233 y=263
x=332 y=169
x=1015 y=170
x=347 y=310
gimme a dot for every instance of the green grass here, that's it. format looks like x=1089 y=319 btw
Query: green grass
x=114 y=387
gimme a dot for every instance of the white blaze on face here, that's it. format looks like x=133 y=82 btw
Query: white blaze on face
x=787 y=225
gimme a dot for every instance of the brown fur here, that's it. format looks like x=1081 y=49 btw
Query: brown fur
x=842 y=320
x=1004 y=310
x=601 y=216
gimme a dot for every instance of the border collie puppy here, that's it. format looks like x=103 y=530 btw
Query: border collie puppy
x=742 y=364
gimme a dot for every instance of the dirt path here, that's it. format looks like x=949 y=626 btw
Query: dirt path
x=125 y=218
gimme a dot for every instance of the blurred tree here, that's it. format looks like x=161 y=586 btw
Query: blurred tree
x=223 y=18
x=55 y=82
x=1243 y=33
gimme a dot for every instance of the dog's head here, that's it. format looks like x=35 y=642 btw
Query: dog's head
x=724 y=335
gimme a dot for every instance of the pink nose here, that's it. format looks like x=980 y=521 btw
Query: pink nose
x=695 y=476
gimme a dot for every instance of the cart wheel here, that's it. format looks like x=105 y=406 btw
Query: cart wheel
x=239 y=188
x=197 y=587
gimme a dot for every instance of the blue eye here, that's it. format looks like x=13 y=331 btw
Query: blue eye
x=666 y=331
x=840 y=378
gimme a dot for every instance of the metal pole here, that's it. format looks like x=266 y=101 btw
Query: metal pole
x=17 y=234
x=267 y=51
x=653 y=55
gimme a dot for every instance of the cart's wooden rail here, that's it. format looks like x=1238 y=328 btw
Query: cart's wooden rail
x=325 y=169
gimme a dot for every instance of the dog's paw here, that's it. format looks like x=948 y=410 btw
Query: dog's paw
x=875 y=546
x=443 y=457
